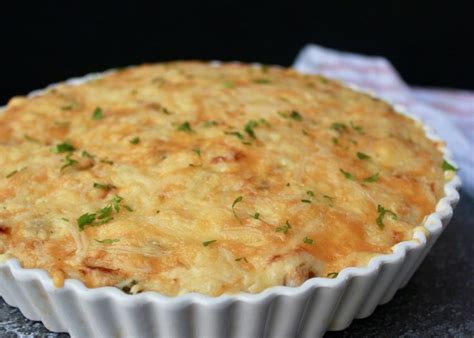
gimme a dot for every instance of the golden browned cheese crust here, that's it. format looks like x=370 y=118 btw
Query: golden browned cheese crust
x=188 y=177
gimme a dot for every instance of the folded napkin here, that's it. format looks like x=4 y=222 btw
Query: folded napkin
x=449 y=112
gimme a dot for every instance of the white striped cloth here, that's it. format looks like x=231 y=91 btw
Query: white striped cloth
x=449 y=112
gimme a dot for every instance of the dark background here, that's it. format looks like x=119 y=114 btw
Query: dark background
x=48 y=41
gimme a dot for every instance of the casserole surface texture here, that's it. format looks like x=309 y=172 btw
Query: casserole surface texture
x=188 y=177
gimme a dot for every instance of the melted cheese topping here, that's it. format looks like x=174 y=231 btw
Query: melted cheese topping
x=212 y=179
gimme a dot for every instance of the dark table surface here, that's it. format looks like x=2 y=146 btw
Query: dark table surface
x=437 y=302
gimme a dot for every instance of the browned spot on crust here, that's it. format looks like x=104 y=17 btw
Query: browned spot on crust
x=4 y=230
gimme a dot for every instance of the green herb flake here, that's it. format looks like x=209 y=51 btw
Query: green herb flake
x=294 y=115
x=373 y=178
x=211 y=123
x=207 y=243
x=107 y=162
x=262 y=81
x=362 y=156
x=64 y=148
x=12 y=173
x=128 y=208
x=116 y=200
x=310 y=193
x=248 y=128
x=335 y=141
x=332 y=275
x=329 y=198
x=446 y=166
x=257 y=215
x=107 y=241
x=235 y=133
x=103 y=186
x=185 y=126
x=283 y=228
x=86 y=154
x=197 y=151
x=347 y=175
x=308 y=240
x=68 y=162
x=31 y=139
x=98 y=114
x=84 y=220
x=241 y=259
x=381 y=214
x=135 y=140
x=70 y=106
x=305 y=201
x=105 y=213
x=237 y=200
x=338 y=126
x=358 y=129
x=229 y=84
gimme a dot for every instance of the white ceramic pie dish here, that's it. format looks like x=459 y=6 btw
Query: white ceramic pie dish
x=318 y=305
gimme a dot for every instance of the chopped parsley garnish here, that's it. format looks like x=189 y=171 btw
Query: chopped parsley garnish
x=332 y=275
x=248 y=128
x=284 y=228
x=338 y=126
x=306 y=201
x=68 y=162
x=85 y=219
x=185 y=126
x=12 y=173
x=128 y=208
x=235 y=133
x=294 y=115
x=237 y=200
x=102 y=216
x=241 y=259
x=262 y=81
x=197 y=151
x=107 y=162
x=135 y=140
x=116 y=200
x=446 y=166
x=358 y=129
x=308 y=240
x=382 y=211
x=29 y=138
x=64 y=148
x=207 y=243
x=329 y=199
x=70 y=106
x=210 y=124
x=347 y=175
x=264 y=122
x=86 y=154
x=373 y=178
x=310 y=193
x=257 y=215
x=335 y=141
x=107 y=241
x=105 y=213
x=103 y=186
x=362 y=156
x=98 y=114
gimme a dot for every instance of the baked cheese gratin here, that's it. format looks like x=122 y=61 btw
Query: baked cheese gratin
x=218 y=179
